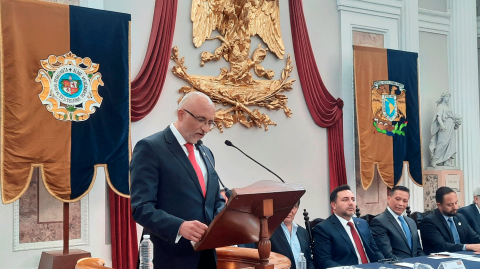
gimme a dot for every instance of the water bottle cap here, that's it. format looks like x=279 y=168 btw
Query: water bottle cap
x=146 y=236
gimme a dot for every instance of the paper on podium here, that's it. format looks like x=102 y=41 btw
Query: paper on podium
x=238 y=224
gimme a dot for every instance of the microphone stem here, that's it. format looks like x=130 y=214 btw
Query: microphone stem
x=259 y=163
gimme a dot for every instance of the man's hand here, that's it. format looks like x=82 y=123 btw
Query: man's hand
x=192 y=230
x=473 y=247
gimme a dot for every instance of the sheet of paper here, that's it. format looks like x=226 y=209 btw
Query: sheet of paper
x=404 y=264
x=437 y=257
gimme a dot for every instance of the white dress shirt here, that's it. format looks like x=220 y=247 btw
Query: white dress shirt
x=199 y=158
x=292 y=240
x=349 y=232
x=398 y=221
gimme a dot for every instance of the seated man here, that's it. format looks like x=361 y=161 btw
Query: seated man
x=290 y=240
x=396 y=235
x=445 y=230
x=342 y=240
x=472 y=212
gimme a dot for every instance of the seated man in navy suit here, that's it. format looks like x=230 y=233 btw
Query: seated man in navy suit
x=445 y=230
x=472 y=212
x=341 y=239
x=290 y=240
x=396 y=235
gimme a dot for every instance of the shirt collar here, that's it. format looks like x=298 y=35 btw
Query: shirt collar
x=344 y=221
x=393 y=213
x=446 y=218
x=177 y=135
x=477 y=208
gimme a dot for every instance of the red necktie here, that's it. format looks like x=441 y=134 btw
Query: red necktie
x=358 y=243
x=191 y=157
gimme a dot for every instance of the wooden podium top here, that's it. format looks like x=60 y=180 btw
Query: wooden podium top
x=238 y=222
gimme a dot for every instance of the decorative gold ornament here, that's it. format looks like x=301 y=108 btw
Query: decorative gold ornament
x=237 y=21
x=70 y=86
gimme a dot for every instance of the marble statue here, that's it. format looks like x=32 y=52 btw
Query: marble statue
x=443 y=145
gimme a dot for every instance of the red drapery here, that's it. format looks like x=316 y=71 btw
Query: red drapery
x=146 y=89
x=123 y=233
x=148 y=84
x=326 y=111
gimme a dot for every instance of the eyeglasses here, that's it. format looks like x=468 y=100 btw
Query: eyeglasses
x=210 y=124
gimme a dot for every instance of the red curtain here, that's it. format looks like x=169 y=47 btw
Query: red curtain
x=326 y=111
x=148 y=84
x=146 y=89
x=123 y=233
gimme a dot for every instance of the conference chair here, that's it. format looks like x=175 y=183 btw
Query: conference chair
x=309 y=225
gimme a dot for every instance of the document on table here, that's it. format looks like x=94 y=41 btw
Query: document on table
x=440 y=255
x=404 y=264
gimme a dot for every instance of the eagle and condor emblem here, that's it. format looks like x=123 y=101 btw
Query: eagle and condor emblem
x=389 y=107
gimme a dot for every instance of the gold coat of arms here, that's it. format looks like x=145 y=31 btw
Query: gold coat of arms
x=235 y=87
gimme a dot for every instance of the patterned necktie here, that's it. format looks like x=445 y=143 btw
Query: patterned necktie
x=358 y=243
x=191 y=157
x=453 y=228
x=406 y=230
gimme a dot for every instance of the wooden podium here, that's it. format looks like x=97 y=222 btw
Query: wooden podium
x=251 y=215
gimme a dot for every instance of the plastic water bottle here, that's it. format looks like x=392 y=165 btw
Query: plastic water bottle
x=301 y=262
x=146 y=253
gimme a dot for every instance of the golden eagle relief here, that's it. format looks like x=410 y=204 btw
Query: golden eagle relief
x=235 y=87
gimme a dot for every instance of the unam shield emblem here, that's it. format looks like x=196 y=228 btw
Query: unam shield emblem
x=389 y=106
x=70 y=86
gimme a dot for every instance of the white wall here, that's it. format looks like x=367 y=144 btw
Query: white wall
x=296 y=149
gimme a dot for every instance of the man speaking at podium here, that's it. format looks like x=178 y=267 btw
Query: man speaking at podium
x=175 y=192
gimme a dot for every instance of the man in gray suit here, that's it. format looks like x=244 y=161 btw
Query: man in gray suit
x=396 y=235
x=472 y=212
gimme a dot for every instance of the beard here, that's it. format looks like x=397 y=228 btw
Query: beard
x=452 y=213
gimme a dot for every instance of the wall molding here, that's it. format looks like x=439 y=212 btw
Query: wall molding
x=435 y=22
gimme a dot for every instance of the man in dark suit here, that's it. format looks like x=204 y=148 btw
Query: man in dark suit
x=290 y=240
x=445 y=230
x=472 y=212
x=396 y=235
x=341 y=239
x=175 y=191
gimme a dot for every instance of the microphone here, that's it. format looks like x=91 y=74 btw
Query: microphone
x=228 y=143
x=199 y=146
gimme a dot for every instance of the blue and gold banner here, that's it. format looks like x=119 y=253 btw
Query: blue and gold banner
x=65 y=98
x=387 y=105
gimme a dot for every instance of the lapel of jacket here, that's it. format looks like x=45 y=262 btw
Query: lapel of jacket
x=178 y=152
x=475 y=213
x=445 y=224
x=413 y=230
x=394 y=222
x=460 y=229
x=341 y=230
x=283 y=238
x=210 y=171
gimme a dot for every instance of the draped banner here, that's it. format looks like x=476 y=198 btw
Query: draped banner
x=65 y=98
x=326 y=111
x=387 y=103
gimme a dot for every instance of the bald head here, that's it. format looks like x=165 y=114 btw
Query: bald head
x=193 y=97
x=195 y=112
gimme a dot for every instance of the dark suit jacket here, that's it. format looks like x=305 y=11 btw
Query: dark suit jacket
x=437 y=237
x=280 y=245
x=333 y=246
x=390 y=238
x=470 y=212
x=165 y=192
